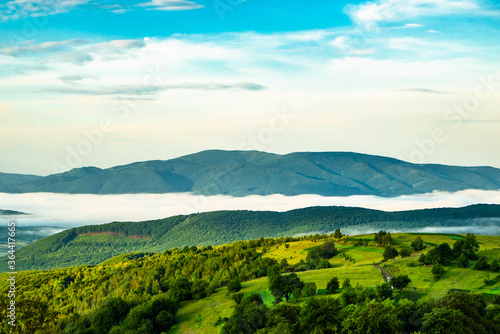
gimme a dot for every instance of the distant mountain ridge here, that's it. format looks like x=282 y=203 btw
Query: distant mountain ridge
x=242 y=173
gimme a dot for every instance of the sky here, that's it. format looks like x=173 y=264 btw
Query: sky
x=105 y=83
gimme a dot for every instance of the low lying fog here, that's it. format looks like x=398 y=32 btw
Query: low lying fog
x=64 y=210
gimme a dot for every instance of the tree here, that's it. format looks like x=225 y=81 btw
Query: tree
x=442 y=254
x=199 y=289
x=310 y=289
x=111 y=313
x=249 y=316
x=387 y=239
x=444 y=320
x=234 y=285
x=422 y=258
x=481 y=264
x=379 y=237
x=314 y=256
x=472 y=306
x=283 y=285
x=384 y=290
x=383 y=238
x=333 y=285
x=374 y=317
x=390 y=253
x=180 y=289
x=418 y=244
x=405 y=252
x=154 y=316
x=320 y=316
x=346 y=284
x=437 y=271
x=463 y=261
x=237 y=297
x=468 y=246
x=494 y=266
x=400 y=282
x=328 y=249
x=337 y=235
x=283 y=319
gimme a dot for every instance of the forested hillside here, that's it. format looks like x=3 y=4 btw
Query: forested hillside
x=94 y=244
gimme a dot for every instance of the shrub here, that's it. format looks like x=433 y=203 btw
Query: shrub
x=234 y=285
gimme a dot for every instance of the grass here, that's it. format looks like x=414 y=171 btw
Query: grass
x=199 y=316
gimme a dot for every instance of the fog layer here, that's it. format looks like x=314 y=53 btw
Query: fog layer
x=66 y=210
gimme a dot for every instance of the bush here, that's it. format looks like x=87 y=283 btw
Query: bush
x=418 y=244
x=481 y=264
x=390 y=253
x=234 y=285
x=437 y=271
x=333 y=285
x=199 y=289
x=346 y=284
x=237 y=297
x=405 y=252
x=463 y=261
x=494 y=266
x=400 y=282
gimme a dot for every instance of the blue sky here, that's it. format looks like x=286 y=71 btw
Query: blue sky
x=107 y=83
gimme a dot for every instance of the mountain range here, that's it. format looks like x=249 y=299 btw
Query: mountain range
x=242 y=173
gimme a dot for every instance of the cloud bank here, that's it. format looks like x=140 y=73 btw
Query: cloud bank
x=64 y=210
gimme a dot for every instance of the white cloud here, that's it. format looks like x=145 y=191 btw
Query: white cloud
x=347 y=47
x=428 y=46
x=395 y=10
x=74 y=210
x=37 y=50
x=413 y=25
x=17 y=9
x=171 y=5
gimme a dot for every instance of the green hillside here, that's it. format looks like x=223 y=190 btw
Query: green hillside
x=242 y=173
x=126 y=294
x=93 y=244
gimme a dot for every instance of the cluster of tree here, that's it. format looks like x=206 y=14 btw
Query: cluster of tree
x=317 y=257
x=367 y=310
x=464 y=251
x=116 y=316
x=383 y=238
x=68 y=298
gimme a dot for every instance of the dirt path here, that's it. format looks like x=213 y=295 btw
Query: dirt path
x=385 y=273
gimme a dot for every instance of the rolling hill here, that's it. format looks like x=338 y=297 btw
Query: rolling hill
x=242 y=173
x=97 y=243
